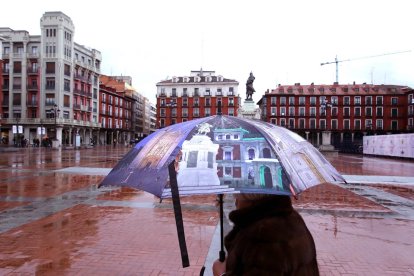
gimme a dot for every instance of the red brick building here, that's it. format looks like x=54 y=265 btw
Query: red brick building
x=115 y=108
x=346 y=112
x=185 y=98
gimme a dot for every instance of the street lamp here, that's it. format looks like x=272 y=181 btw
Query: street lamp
x=55 y=111
x=16 y=139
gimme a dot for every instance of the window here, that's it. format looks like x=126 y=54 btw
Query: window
x=196 y=112
x=334 y=111
x=251 y=154
x=394 y=101
x=66 y=85
x=67 y=70
x=312 y=100
x=322 y=124
x=357 y=100
x=368 y=100
x=291 y=123
x=379 y=100
x=231 y=111
x=283 y=101
x=312 y=123
x=273 y=100
x=50 y=67
x=346 y=100
x=334 y=100
x=207 y=111
x=379 y=124
x=302 y=123
x=368 y=124
x=346 y=112
x=196 y=92
x=291 y=111
x=313 y=111
x=334 y=124
x=227 y=155
x=368 y=111
x=273 y=111
x=346 y=124
x=283 y=122
x=17 y=98
x=185 y=92
x=291 y=100
x=227 y=171
x=283 y=111
x=231 y=101
x=231 y=91
x=357 y=111
x=17 y=67
x=207 y=92
x=394 y=112
x=394 y=125
x=219 y=92
x=357 y=125
x=379 y=111
x=50 y=83
x=174 y=92
x=302 y=100
x=301 y=111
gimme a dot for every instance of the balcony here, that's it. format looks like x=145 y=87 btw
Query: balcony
x=17 y=86
x=6 y=71
x=32 y=103
x=32 y=55
x=31 y=71
x=32 y=87
x=5 y=87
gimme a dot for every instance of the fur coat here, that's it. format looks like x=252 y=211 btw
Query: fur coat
x=270 y=238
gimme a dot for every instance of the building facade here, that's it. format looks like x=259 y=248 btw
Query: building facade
x=115 y=110
x=338 y=114
x=189 y=97
x=50 y=83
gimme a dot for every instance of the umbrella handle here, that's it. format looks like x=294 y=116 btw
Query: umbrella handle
x=222 y=254
x=178 y=214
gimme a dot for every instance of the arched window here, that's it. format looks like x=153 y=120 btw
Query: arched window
x=251 y=154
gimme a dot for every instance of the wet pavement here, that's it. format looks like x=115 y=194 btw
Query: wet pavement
x=54 y=220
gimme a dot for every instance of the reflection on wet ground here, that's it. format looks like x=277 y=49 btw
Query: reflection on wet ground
x=54 y=223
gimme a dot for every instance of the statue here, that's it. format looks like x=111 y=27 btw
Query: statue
x=249 y=87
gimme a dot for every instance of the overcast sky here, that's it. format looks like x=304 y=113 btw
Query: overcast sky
x=279 y=41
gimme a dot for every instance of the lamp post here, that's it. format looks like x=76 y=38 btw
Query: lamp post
x=55 y=111
x=16 y=139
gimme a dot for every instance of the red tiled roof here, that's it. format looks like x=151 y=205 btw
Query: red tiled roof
x=338 y=89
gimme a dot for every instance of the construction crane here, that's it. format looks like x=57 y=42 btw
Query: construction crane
x=338 y=61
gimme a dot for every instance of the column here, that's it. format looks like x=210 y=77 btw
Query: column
x=307 y=135
x=342 y=137
x=70 y=136
x=317 y=139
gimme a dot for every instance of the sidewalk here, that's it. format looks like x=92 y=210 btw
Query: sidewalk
x=54 y=221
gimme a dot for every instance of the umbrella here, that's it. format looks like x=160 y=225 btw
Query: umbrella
x=219 y=155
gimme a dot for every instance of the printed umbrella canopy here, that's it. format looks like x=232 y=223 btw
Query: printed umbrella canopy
x=219 y=155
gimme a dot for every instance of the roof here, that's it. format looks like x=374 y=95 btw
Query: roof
x=337 y=89
x=197 y=79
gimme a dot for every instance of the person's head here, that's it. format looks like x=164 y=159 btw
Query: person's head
x=246 y=200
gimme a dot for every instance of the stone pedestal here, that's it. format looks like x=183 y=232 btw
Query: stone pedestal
x=249 y=110
x=326 y=142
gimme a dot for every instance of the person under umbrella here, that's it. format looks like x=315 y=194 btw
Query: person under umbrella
x=268 y=238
